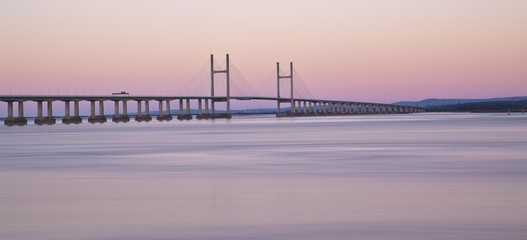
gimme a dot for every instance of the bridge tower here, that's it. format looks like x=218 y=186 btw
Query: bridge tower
x=278 y=77
x=228 y=97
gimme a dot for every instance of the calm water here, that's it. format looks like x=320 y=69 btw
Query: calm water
x=413 y=176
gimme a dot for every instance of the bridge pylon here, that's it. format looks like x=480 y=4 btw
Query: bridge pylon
x=278 y=77
x=227 y=99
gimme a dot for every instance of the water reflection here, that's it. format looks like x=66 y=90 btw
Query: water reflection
x=419 y=176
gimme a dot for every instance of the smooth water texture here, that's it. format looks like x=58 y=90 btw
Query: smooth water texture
x=408 y=176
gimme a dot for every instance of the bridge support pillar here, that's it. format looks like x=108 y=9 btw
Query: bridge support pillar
x=99 y=118
x=139 y=111
x=67 y=117
x=147 y=108
x=206 y=107
x=76 y=109
x=18 y=121
x=140 y=117
x=39 y=111
x=180 y=107
x=182 y=115
x=186 y=115
x=167 y=111
x=162 y=116
x=10 y=110
x=49 y=118
x=200 y=110
x=212 y=107
x=92 y=109
x=120 y=118
x=199 y=107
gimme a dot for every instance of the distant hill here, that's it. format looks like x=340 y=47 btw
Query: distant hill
x=444 y=102
x=494 y=106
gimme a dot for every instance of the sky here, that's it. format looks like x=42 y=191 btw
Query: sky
x=360 y=50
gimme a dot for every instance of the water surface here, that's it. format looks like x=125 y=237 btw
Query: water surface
x=408 y=176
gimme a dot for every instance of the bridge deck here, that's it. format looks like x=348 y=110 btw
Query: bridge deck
x=13 y=98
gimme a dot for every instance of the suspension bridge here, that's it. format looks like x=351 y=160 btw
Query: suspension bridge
x=297 y=106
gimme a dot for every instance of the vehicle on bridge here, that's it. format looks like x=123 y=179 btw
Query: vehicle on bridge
x=122 y=93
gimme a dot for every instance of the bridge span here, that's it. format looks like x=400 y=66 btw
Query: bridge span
x=301 y=107
x=206 y=105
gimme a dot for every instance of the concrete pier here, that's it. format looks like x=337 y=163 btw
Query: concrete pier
x=40 y=120
x=140 y=117
x=205 y=115
x=117 y=117
x=164 y=116
x=202 y=115
x=184 y=115
x=97 y=118
x=15 y=121
x=75 y=119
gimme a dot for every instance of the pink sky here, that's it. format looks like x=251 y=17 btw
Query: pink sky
x=379 y=51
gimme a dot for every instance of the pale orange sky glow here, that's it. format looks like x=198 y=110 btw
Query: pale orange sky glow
x=380 y=51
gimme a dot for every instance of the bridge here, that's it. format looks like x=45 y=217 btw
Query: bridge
x=299 y=107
